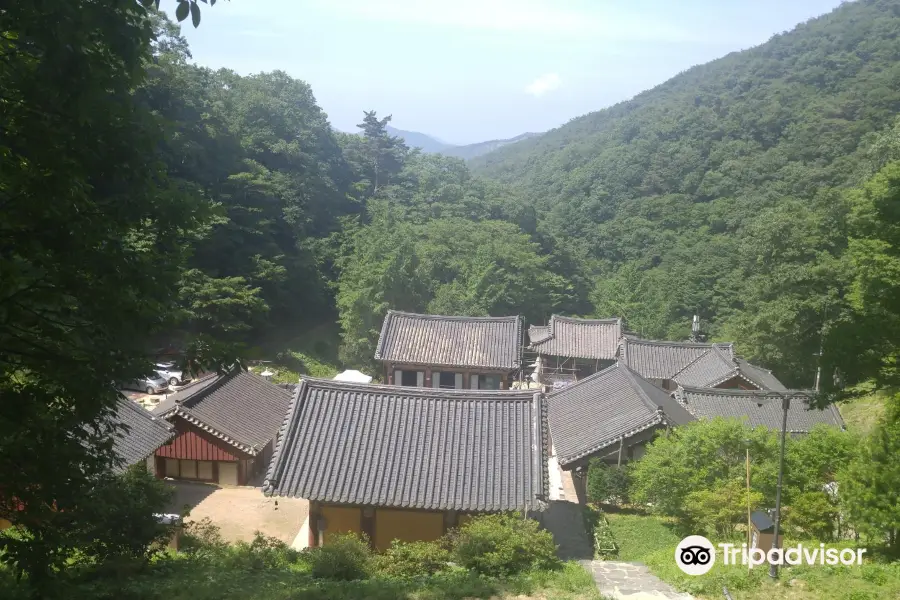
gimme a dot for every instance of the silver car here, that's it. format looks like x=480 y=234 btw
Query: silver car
x=150 y=385
x=171 y=373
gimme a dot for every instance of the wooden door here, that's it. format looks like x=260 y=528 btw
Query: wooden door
x=228 y=473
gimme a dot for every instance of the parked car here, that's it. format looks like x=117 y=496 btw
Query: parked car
x=151 y=385
x=171 y=373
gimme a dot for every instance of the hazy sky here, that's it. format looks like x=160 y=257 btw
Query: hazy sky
x=473 y=70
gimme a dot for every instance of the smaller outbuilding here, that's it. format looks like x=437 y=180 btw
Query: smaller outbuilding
x=610 y=415
x=405 y=462
x=226 y=426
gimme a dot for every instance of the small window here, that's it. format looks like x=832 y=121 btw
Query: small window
x=189 y=469
x=205 y=470
x=448 y=379
x=410 y=378
x=488 y=382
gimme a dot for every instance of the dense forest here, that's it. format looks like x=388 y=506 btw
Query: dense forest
x=722 y=192
x=146 y=202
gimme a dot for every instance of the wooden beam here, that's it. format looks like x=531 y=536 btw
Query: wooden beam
x=621 y=449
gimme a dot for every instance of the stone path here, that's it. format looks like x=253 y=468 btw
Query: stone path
x=630 y=581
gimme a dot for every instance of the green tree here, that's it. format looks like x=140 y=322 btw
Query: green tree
x=94 y=236
x=870 y=486
x=705 y=456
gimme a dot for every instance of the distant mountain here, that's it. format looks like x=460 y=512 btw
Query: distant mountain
x=414 y=139
x=472 y=150
x=432 y=145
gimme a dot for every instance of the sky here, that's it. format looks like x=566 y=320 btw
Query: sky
x=465 y=71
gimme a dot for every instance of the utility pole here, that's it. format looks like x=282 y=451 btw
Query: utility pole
x=695 y=329
x=785 y=406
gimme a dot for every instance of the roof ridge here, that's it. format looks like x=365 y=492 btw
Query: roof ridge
x=648 y=401
x=739 y=392
x=673 y=343
x=587 y=379
x=417 y=391
x=161 y=422
x=452 y=317
x=203 y=393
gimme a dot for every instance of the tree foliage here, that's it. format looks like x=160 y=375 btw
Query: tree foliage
x=723 y=190
x=870 y=486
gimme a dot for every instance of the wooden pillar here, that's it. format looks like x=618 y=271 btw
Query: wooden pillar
x=367 y=523
x=428 y=377
x=451 y=519
x=314 y=524
x=389 y=368
x=621 y=449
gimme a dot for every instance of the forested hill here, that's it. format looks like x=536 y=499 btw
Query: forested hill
x=693 y=195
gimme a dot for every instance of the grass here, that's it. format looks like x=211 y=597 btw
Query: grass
x=651 y=540
x=186 y=579
x=863 y=413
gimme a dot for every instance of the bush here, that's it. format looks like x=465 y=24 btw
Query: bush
x=202 y=539
x=504 y=544
x=605 y=546
x=607 y=484
x=261 y=554
x=346 y=557
x=812 y=515
x=410 y=559
x=718 y=510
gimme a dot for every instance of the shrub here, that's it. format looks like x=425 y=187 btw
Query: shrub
x=605 y=546
x=116 y=521
x=720 y=509
x=504 y=544
x=261 y=554
x=607 y=484
x=812 y=515
x=202 y=539
x=411 y=559
x=345 y=557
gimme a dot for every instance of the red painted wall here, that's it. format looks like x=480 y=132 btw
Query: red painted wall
x=196 y=444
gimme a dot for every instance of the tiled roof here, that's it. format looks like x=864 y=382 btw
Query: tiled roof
x=596 y=412
x=762 y=378
x=757 y=408
x=168 y=404
x=239 y=407
x=424 y=448
x=142 y=435
x=437 y=340
x=578 y=338
x=716 y=366
x=662 y=360
x=712 y=367
x=536 y=333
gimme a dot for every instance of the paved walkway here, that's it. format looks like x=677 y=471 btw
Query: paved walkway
x=630 y=581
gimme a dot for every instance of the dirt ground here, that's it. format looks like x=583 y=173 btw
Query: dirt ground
x=241 y=511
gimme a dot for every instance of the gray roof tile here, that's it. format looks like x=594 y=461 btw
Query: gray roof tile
x=598 y=410
x=474 y=342
x=757 y=408
x=381 y=445
x=762 y=378
x=596 y=339
x=239 y=407
x=663 y=360
x=142 y=434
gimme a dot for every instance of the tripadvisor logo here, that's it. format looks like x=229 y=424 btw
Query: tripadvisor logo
x=696 y=555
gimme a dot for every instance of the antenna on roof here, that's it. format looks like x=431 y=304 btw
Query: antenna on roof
x=695 y=329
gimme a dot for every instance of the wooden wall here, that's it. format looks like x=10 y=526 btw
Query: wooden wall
x=195 y=444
